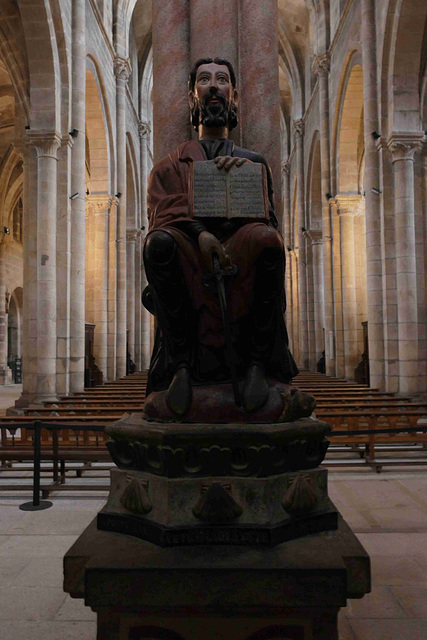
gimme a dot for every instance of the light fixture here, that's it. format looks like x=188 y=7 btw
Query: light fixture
x=118 y=194
x=376 y=191
x=7 y=231
x=74 y=196
x=74 y=133
x=375 y=135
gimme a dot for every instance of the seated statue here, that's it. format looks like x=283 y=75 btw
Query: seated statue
x=191 y=349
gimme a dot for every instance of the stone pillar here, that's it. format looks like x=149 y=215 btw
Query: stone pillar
x=302 y=262
x=374 y=275
x=348 y=207
x=130 y=288
x=138 y=304
x=42 y=325
x=111 y=297
x=122 y=72
x=321 y=68
x=213 y=31
x=315 y=237
x=100 y=213
x=5 y=372
x=403 y=149
x=77 y=231
x=171 y=64
x=144 y=131
x=259 y=81
x=286 y=233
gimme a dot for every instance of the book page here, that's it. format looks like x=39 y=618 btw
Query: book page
x=240 y=193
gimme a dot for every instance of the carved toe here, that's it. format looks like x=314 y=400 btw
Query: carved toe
x=179 y=395
x=255 y=390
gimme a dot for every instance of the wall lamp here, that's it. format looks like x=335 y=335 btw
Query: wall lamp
x=376 y=191
x=328 y=196
x=7 y=231
x=289 y=248
x=74 y=133
x=119 y=194
x=375 y=135
x=74 y=196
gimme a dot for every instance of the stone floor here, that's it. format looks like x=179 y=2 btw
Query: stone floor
x=388 y=512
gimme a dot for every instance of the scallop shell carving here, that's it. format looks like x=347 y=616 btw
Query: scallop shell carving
x=301 y=496
x=217 y=506
x=135 y=497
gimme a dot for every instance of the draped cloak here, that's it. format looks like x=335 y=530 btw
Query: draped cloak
x=168 y=211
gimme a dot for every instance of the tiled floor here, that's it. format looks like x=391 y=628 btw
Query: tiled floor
x=388 y=512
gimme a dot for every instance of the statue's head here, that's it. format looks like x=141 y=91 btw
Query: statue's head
x=212 y=93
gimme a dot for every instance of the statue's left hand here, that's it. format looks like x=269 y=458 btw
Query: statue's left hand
x=227 y=162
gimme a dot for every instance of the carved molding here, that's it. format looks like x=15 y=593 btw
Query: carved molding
x=404 y=145
x=350 y=204
x=122 y=68
x=144 y=129
x=321 y=64
x=299 y=128
x=286 y=167
x=315 y=236
x=99 y=203
x=131 y=235
x=45 y=145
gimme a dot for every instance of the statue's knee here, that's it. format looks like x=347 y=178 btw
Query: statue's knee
x=160 y=248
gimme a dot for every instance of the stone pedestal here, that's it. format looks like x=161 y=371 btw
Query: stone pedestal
x=292 y=591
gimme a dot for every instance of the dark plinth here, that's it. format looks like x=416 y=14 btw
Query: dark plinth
x=212 y=592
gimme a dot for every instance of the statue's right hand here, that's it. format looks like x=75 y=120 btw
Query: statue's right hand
x=209 y=245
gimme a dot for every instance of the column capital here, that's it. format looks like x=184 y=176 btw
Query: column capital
x=350 y=204
x=131 y=235
x=45 y=145
x=122 y=68
x=286 y=166
x=299 y=128
x=321 y=65
x=314 y=235
x=144 y=129
x=100 y=202
x=403 y=145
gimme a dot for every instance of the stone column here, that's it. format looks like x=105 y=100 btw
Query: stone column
x=42 y=326
x=374 y=275
x=348 y=206
x=144 y=131
x=315 y=236
x=214 y=30
x=77 y=231
x=286 y=233
x=403 y=149
x=122 y=72
x=100 y=213
x=138 y=304
x=302 y=262
x=321 y=68
x=259 y=82
x=130 y=287
x=5 y=372
x=171 y=64
x=111 y=297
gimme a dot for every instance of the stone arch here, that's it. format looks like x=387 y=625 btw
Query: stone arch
x=406 y=54
x=353 y=58
x=39 y=22
x=13 y=58
x=350 y=134
x=132 y=192
x=98 y=132
x=14 y=327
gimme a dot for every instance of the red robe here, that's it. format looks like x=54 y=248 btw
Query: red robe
x=168 y=204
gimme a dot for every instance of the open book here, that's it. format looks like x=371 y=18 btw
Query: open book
x=240 y=193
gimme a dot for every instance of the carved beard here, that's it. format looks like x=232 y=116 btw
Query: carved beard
x=222 y=114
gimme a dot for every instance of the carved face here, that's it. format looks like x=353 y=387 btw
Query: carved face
x=213 y=100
